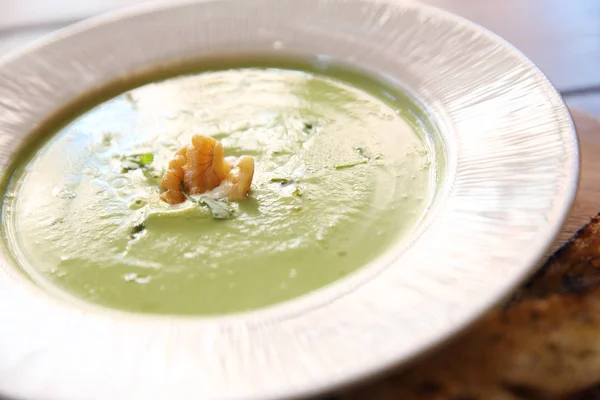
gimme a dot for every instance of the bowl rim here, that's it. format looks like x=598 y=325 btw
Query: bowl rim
x=485 y=210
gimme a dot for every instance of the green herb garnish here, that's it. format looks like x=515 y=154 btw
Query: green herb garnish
x=146 y=158
x=350 y=165
x=135 y=161
x=219 y=210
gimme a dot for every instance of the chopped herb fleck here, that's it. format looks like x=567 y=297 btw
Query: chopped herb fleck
x=283 y=181
x=308 y=126
x=137 y=229
x=131 y=100
x=363 y=152
x=136 y=203
x=360 y=150
x=107 y=139
x=139 y=225
x=297 y=192
x=57 y=221
x=350 y=165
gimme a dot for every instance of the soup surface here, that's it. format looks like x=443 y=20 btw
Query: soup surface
x=342 y=172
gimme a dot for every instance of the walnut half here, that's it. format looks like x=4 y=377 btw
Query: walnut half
x=201 y=167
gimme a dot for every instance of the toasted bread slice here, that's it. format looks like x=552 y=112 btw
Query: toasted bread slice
x=544 y=344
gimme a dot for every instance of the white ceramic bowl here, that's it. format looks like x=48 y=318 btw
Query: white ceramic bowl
x=512 y=171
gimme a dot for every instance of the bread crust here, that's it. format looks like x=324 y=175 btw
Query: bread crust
x=543 y=344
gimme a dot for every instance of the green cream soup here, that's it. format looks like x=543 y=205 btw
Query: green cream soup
x=343 y=170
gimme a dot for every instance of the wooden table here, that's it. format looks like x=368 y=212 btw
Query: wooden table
x=561 y=37
x=587 y=202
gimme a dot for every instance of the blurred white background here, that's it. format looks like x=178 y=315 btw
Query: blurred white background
x=562 y=37
x=22 y=13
